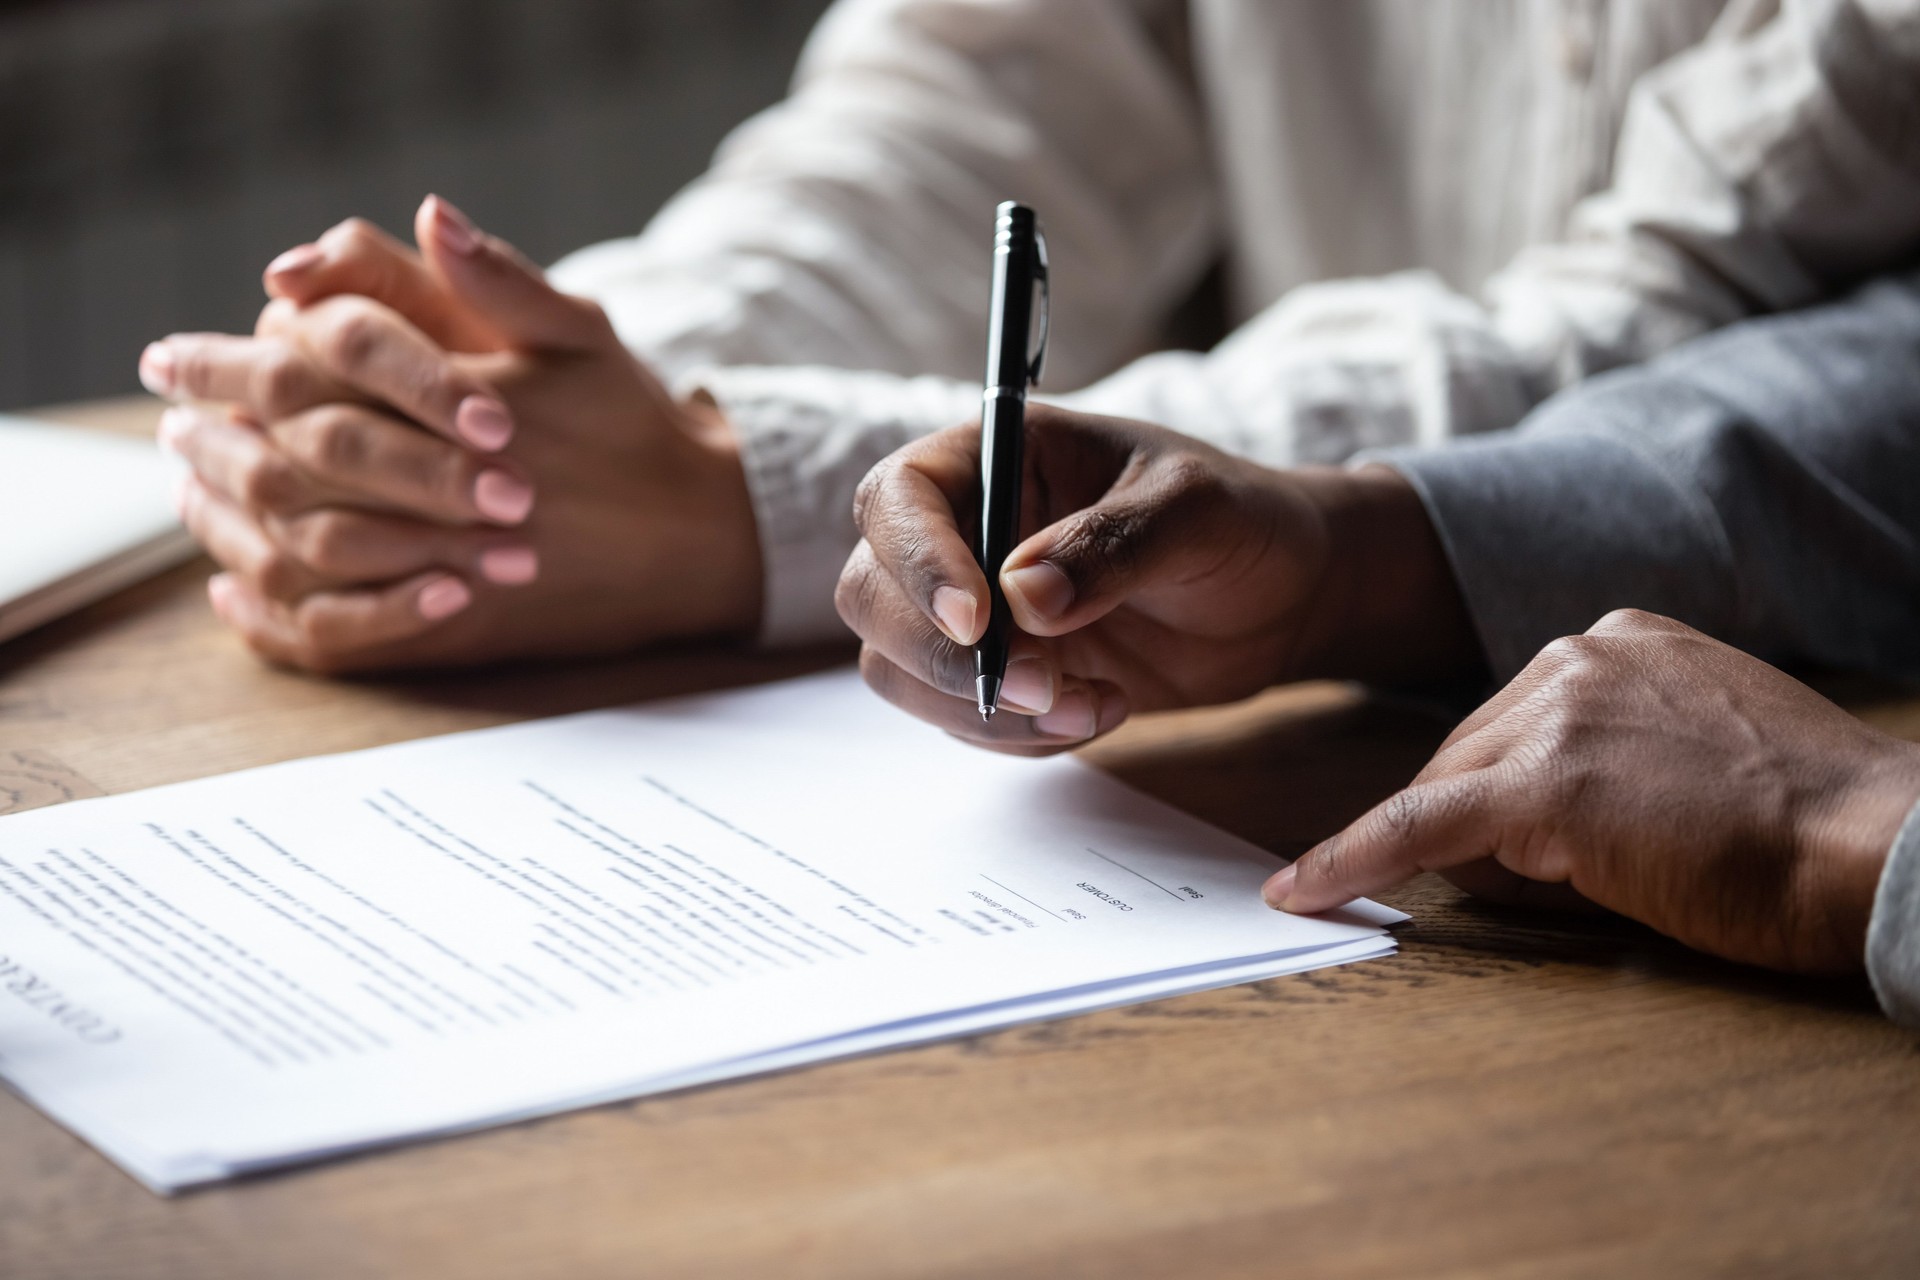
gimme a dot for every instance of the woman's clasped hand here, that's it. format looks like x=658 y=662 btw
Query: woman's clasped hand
x=434 y=457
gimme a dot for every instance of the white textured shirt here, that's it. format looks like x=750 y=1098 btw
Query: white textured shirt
x=1431 y=214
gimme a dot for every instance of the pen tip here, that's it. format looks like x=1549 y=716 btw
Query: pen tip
x=989 y=699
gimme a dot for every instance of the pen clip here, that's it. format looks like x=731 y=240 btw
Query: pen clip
x=1042 y=276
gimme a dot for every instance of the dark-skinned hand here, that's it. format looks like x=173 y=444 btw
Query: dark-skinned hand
x=1655 y=772
x=1156 y=572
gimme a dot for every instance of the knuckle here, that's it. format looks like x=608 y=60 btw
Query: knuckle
x=352 y=337
x=332 y=441
x=1565 y=649
x=323 y=540
x=1554 y=729
x=870 y=496
x=1102 y=543
x=350 y=235
x=278 y=575
x=1187 y=478
x=854 y=594
x=1332 y=862
x=315 y=644
x=277 y=382
x=1567 y=654
x=265 y=483
x=1629 y=622
x=1401 y=815
x=192 y=370
x=277 y=317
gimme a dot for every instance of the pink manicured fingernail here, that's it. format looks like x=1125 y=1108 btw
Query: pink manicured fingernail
x=1046 y=592
x=156 y=369
x=456 y=234
x=442 y=598
x=510 y=566
x=1028 y=686
x=484 y=423
x=1279 y=888
x=955 y=610
x=1071 y=717
x=295 y=260
x=503 y=498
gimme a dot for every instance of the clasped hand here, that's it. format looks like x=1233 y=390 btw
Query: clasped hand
x=369 y=467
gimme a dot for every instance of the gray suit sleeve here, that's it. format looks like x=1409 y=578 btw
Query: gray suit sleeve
x=1761 y=485
x=1893 y=936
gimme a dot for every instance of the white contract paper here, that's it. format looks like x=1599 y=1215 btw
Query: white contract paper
x=331 y=954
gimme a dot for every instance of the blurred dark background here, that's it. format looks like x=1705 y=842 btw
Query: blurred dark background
x=156 y=154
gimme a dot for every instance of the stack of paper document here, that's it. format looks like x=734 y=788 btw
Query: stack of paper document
x=315 y=957
x=82 y=514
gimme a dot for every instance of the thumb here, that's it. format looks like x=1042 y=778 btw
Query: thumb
x=1161 y=525
x=502 y=288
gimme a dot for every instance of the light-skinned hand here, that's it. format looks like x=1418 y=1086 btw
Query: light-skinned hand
x=1157 y=572
x=1658 y=773
x=369 y=466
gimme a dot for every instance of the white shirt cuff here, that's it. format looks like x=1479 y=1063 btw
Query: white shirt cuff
x=807 y=437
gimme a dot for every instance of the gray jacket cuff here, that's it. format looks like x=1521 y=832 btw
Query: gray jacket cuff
x=1549 y=532
x=1893 y=936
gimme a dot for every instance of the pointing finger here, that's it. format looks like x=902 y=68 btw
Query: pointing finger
x=1427 y=827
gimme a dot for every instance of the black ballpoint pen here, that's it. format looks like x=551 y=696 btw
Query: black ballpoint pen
x=1014 y=362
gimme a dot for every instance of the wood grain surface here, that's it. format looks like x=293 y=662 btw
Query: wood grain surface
x=1511 y=1096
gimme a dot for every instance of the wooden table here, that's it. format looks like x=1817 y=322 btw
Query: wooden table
x=1511 y=1095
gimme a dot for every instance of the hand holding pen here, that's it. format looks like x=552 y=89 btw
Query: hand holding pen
x=1158 y=572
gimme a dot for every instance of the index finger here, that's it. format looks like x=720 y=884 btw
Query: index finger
x=1430 y=826
x=378 y=351
x=907 y=508
x=340 y=350
x=263 y=374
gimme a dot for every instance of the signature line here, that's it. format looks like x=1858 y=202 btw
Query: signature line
x=1023 y=897
x=1130 y=871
